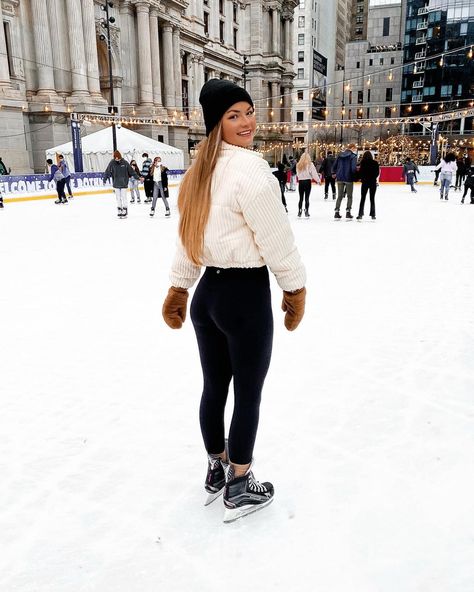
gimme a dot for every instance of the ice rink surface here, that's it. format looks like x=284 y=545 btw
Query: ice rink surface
x=367 y=420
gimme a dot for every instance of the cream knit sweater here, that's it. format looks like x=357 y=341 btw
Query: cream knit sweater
x=247 y=225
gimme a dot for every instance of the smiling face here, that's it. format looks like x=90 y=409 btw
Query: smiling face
x=239 y=125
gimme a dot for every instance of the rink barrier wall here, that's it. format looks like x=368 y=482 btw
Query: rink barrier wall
x=15 y=188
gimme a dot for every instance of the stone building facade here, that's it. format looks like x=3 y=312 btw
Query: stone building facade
x=53 y=62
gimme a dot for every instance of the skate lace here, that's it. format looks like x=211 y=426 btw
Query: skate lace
x=255 y=486
x=214 y=463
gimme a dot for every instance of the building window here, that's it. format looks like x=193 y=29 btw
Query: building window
x=388 y=94
x=184 y=64
x=392 y=61
x=371 y=62
x=359 y=20
x=358 y=31
x=300 y=95
x=300 y=73
x=368 y=113
x=221 y=7
x=206 y=23
x=301 y=56
x=221 y=31
x=368 y=95
x=388 y=112
x=235 y=38
x=301 y=22
x=300 y=116
x=350 y=113
x=360 y=9
x=357 y=64
x=386 y=27
x=360 y=97
x=300 y=38
x=381 y=61
x=234 y=10
x=350 y=97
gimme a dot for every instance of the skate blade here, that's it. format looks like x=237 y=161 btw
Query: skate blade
x=233 y=514
x=213 y=496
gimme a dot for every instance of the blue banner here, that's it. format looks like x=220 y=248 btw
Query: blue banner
x=40 y=184
x=77 y=146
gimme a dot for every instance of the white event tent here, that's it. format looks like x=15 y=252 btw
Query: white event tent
x=97 y=150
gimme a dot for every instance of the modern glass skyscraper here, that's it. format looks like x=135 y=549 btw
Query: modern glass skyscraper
x=433 y=83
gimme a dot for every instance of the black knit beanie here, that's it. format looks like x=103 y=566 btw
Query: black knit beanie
x=216 y=97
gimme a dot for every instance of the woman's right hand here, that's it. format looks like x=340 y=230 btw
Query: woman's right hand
x=174 y=307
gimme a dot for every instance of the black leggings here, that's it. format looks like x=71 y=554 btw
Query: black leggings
x=371 y=188
x=232 y=317
x=304 y=187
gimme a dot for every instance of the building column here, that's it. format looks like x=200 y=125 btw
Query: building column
x=144 y=55
x=276 y=30
x=155 y=55
x=43 y=52
x=59 y=48
x=287 y=104
x=287 y=52
x=168 y=81
x=276 y=101
x=92 y=59
x=128 y=54
x=76 y=48
x=4 y=69
x=177 y=70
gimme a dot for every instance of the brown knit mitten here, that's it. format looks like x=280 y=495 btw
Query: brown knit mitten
x=293 y=305
x=174 y=307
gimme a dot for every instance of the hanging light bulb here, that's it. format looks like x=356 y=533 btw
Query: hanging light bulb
x=390 y=74
x=469 y=53
x=441 y=61
x=368 y=81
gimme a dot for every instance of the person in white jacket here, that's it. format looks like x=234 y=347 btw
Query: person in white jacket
x=448 y=167
x=233 y=224
x=306 y=173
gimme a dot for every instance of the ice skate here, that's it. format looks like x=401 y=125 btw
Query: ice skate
x=168 y=213
x=119 y=212
x=306 y=213
x=152 y=212
x=337 y=216
x=124 y=212
x=349 y=216
x=215 y=478
x=244 y=495
x=299 y=213
x=359 y=218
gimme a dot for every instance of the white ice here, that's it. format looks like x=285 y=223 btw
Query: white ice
x=366 y=428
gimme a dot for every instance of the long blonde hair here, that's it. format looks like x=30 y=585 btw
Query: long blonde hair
x=194 y=198
x=304 y=163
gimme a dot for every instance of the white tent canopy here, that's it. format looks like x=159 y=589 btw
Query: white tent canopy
x=97 y=150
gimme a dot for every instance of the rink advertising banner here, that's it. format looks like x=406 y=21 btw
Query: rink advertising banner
x=320 y=70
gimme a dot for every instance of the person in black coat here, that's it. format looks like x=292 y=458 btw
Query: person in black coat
x=326 y=170
x=280 y=174
x=369 y=172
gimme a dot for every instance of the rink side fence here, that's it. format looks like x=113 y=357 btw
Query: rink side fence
x=33 y=187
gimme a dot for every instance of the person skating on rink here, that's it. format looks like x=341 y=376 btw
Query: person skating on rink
x=469 y=184
x=4 y=170
x=409 y=173
x=232 y=223
x=460 y=172
x=133 y=183
x=436 y=172
x=1 y=200
x=280 y=174
x=326 y=170
x=160 y=179
x=306 y=172
x=62 y=164
x=369 y=171
x=448 y=167
x=120 y=171
x=344 y=171
x=148 y=179
x=56 y=175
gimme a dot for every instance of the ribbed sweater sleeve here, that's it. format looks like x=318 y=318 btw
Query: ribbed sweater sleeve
x=183 y=272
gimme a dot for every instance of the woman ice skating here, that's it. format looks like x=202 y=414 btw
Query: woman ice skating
x=409 y=171
x=119 y=170
x=369 y=172
x=160 y=179
x=448 y=167
x=306 y=172
x=59 y=179
x=232 y=223
x=133 y=183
